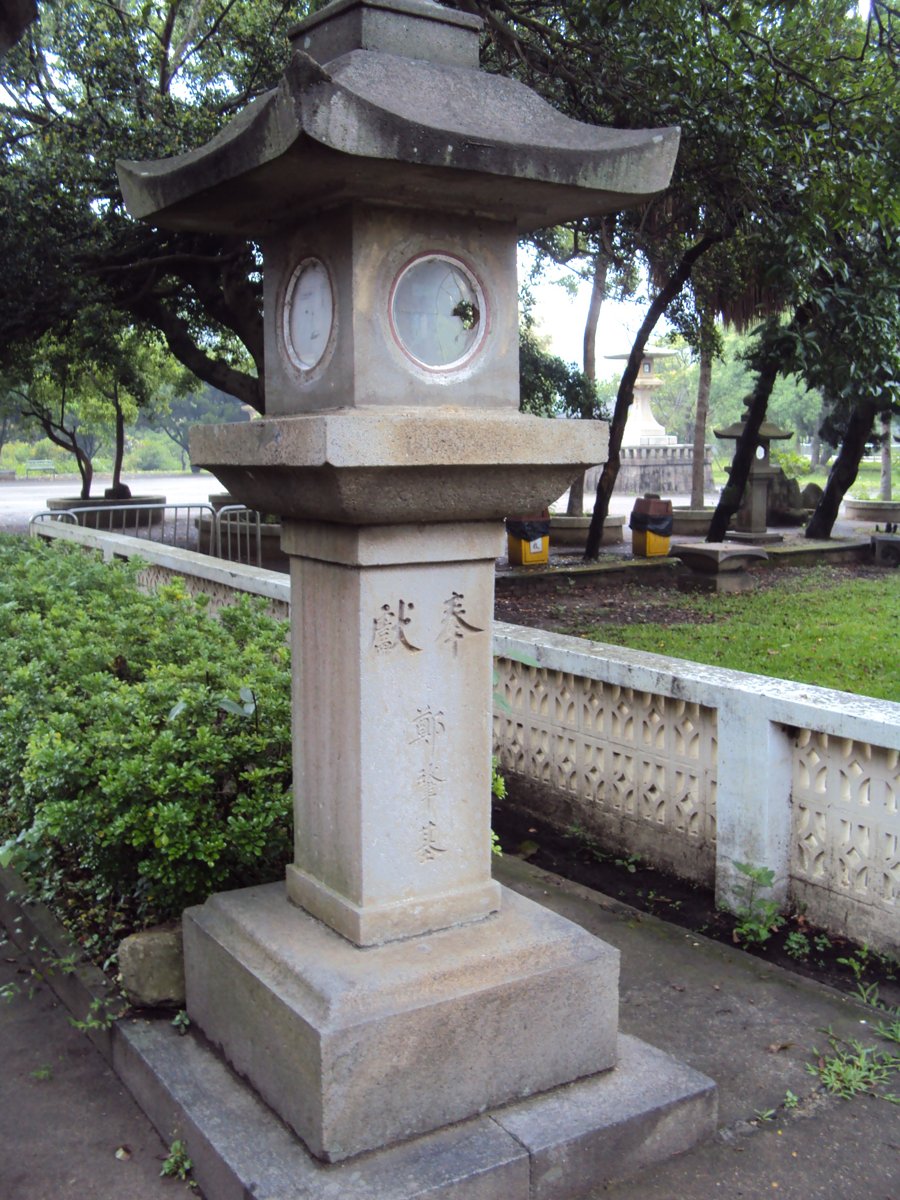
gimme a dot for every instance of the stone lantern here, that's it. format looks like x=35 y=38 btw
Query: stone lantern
x=642 y=427
x=750 y=522
x=392 y=988
x=652 y=460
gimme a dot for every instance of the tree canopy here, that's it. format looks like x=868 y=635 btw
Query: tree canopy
x=783 y=207
x=90 y=83
x=786 y=170
x=82 y=384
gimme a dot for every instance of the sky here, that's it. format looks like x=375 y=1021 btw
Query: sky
x=561 y=316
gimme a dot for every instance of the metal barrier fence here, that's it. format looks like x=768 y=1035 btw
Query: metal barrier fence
x=188 y=526
x=238 y=535
x=234 y=533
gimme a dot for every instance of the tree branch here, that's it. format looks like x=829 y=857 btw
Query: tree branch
x=212 y=371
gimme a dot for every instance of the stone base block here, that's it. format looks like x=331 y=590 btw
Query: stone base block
x=559 y=1146
x=886 y=549
x=729 y=584
x=357 y=1048
x=754 y=539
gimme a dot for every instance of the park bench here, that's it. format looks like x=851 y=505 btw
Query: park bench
x=46 y=465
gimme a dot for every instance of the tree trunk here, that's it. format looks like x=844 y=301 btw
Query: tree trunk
x=885 y=489
x=843 y=472
x=119 y=451
x=67 y=439
x=575 y=506
x=575 y=502
x=625 y=394
x=86 y=471
x=815 y=450
x=744 y=451
x=698 y=482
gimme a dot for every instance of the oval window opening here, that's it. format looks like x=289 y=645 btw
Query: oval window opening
x=437 y=311
x=308 y=314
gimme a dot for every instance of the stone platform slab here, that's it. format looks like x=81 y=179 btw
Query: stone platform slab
x=358 y=1048
x=557 y=1146
x=716 y=566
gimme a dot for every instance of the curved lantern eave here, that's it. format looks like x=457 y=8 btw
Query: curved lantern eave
x=328 y=137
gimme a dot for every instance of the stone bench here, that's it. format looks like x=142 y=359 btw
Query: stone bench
x=716 y=566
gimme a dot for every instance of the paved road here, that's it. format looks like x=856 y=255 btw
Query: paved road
x=20 y=499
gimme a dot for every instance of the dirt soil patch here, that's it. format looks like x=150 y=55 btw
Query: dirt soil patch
x=570 y=603
x=796 y=946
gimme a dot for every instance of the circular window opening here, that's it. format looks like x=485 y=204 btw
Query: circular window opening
x=308 y=314
x=437 y=311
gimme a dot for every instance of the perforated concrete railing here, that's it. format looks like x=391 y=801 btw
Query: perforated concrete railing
x=631 y=765
x=845 y=832
x=697 y=768
x=693 y=767
x=220 y=592
x=220 y=580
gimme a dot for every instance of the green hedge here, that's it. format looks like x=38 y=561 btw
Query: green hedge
x=144 y=744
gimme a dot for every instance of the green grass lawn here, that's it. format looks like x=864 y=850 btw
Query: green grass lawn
x=809 y=626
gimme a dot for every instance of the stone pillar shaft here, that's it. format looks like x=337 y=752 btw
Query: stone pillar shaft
x=391 y=637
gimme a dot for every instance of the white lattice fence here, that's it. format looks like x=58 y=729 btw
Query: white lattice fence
x=696 y=768
x=219 y=593
x=639 y=767
x=845 y=844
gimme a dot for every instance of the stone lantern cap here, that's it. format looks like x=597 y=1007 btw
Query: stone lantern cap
x=768 y=431
x=383 y=102
x=651 y=353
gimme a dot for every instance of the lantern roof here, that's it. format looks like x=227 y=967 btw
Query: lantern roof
x=768 y=430
x=383 y=102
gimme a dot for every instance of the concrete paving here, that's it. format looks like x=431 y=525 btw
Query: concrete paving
x=68 y=1128
x=751 y=1027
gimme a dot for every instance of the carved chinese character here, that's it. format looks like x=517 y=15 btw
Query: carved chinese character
x=426 y=727
x=454 y=626
x=390 y=628
x=429 y=848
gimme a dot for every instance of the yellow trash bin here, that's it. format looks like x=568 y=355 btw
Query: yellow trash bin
x=651 y=527
x=528 y=540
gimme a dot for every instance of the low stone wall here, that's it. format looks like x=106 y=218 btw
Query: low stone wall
x=221 y=581
x=692 y=767
x=665 y=470
x=696 y=768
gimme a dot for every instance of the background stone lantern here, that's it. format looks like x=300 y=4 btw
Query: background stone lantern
x=387 y=179
x=750 y=521
x=642 y=427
